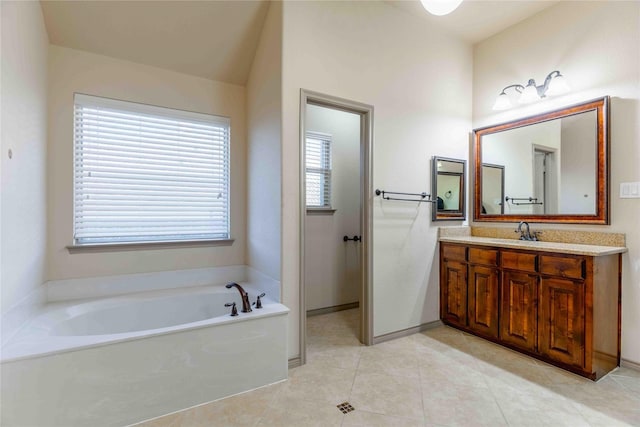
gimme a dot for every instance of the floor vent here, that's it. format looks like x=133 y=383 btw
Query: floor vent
x=345 y=407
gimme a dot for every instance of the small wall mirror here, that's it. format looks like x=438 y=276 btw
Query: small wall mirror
x=553 y=167
x=448 y=189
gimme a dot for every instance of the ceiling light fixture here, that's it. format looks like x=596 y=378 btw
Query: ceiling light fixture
x=440 y=7
x=554 y=84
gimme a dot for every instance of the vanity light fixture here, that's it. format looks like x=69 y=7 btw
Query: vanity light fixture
x=554 y=84
x=440 y=7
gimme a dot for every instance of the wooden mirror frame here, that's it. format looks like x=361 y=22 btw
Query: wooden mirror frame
x=601 y=107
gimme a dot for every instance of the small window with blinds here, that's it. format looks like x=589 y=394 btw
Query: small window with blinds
x=148 y=174
x=318 y=170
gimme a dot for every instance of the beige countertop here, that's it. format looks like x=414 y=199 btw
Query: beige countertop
x=567 y=248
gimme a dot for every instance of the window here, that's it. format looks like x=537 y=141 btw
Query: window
x=318 y=170
x=148 y=174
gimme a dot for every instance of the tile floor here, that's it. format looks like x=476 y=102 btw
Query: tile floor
x=440 y=377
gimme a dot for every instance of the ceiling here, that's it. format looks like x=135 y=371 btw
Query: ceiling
x=477 y=20
x=212 y=39
x=218 y=39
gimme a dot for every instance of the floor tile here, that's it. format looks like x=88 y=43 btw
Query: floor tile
x=301 y=413
x=404 y=366
x=171 y=420
x=370 y=419
x=388 y=395
x=466 y=406
x=334 y=356
x=441 y=377
x=606 y=396
x=631 y=383
x=318 y=383
x=534 y=411
x=243 y=410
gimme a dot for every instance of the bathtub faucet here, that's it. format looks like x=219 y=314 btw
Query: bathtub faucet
x=246 y=305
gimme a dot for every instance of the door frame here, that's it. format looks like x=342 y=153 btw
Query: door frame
x=365 y=112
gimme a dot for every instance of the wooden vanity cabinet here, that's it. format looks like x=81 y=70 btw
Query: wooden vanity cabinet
x=518 y=314
x=562 y=327
x=453 y=285
x=561 y=308
x=482 y=292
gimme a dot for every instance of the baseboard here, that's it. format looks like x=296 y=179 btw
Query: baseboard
x=406 y=332
x=295 y=362
x=629 y=364
x=326 y=310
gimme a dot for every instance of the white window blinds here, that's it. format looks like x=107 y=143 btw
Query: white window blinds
x=318 y=170
x=148 y=174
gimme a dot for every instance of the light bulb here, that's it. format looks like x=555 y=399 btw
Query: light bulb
x=557 y=86
x=529 y=94
x=440 y=7
x=502 y=102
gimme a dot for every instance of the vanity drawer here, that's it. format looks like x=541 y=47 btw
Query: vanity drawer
x=562 y=266
x=483 y=256
x=519 y=261
x=454 y=252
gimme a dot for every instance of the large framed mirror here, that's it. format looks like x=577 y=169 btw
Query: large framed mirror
x=553 y=167
x=448 y=189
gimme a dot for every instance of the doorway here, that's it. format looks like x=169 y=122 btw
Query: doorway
x=335 y=211
x=545 y=180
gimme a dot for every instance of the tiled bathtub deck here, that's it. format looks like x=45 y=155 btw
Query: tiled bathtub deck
x=440 y=377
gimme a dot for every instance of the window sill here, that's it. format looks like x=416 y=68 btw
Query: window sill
x=320 y=211
x=141 y=246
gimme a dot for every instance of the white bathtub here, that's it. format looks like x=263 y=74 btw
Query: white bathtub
x=121 y=360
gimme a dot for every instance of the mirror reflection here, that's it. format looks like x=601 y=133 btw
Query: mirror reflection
x=549 y=167
x=448 y=188
x=492 y=189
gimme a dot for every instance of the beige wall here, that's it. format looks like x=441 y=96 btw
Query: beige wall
x=23 y=97
x=419 y=82
x=332 y=266
x=264 y=164
x=76 y=71
x=596 y=45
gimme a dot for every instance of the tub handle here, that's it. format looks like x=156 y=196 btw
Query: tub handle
x=234 y=310
x=258 y=303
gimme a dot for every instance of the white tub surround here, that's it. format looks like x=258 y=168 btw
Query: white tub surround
x=131 y=381
x=104 y=286
x=128 y=358
x=98 y=287
x=71 y=326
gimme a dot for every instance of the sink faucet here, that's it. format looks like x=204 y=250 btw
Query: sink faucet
x=524 y=234
x=246 y=306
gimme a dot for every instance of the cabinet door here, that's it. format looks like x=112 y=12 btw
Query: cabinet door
x=562 y=320
x=483 y=300
x=518 y=309
x=453 y=292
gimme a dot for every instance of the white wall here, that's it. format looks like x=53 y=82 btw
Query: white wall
x=76 y=71
x=419 y=82
x=264 y=164
x=332 y=266
x=595 y=45
x=23 y=95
